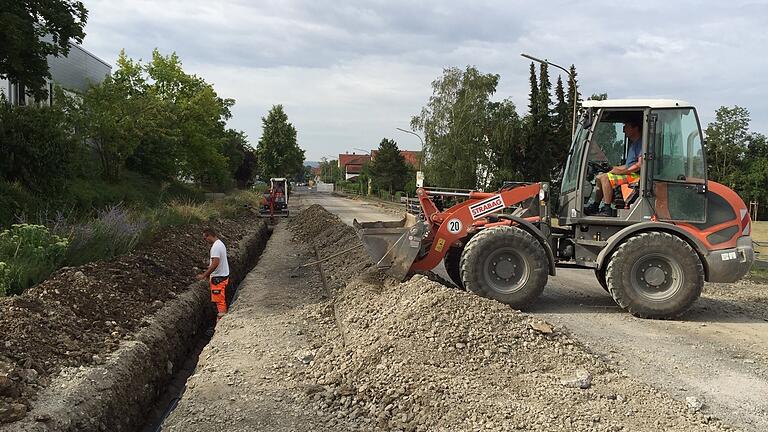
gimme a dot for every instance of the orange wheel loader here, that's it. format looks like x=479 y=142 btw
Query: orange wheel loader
x=665 y=234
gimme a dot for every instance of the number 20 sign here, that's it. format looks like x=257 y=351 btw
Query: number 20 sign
x=454 y=226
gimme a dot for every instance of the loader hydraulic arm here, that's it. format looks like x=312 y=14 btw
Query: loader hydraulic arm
x=459 y=221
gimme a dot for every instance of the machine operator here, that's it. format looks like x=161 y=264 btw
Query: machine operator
x=619 y=175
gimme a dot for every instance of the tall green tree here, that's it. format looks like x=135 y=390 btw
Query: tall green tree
x=727 y=139
x=200 y=115
x=118 y=114
x=533 y=96
x=32 y=30
x=278 y=152
x=539 y=128
x=506 y=143
x=563 y=124
x=454 y=124
x=752 y=176
x=389 y=170
x=241 y=157
x=573 y=95
x=330 y=171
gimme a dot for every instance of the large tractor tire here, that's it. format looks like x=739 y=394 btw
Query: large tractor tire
x=452 y=263
x=655 y=275
x=506 y=264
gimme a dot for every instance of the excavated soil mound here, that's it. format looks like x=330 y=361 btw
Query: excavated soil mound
x=420 y=356
x=324 y=230
x=80 y=315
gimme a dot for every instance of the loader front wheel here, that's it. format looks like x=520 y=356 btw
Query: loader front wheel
x=506 y=264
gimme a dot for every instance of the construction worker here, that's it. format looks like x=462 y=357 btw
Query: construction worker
x=619 y=175
x=217 y=272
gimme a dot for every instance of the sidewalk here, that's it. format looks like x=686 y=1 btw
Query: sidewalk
x=251 y=373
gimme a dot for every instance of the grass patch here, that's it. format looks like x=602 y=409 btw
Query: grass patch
x=82 y=198
x=760 y=234
x=30 y=253
x=759 y=275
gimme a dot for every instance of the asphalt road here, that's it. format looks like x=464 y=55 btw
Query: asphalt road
x=717 y=352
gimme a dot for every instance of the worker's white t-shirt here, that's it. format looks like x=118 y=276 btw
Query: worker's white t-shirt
x=218 y=250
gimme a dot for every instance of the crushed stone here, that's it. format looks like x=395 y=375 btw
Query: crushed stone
x=420 y=356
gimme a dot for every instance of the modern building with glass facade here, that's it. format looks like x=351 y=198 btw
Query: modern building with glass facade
x=75 y=73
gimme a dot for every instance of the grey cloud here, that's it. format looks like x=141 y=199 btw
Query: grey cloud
x=363 y=66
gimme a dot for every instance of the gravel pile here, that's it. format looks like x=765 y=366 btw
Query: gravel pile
x=420 y=356
x=325 y=231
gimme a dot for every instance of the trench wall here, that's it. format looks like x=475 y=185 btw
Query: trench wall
x=117 y=395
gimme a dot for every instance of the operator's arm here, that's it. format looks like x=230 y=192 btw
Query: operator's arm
x=214 y=264
x=621 y=170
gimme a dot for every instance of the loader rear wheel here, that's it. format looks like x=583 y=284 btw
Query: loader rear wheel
x=452 y=263
x=655 y=275
x=506 y=264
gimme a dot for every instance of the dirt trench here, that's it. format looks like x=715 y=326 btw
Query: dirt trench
x=93 y=348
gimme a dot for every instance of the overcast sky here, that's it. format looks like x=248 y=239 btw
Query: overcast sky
x=349 y=73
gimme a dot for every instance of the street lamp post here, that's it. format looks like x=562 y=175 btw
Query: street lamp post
x=421 y=140
x=419 y=174
x=573 y=83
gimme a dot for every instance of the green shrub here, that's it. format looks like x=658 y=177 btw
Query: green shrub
x=28 y=255
x=38 y=146
x=15 y=201
x=86 y=194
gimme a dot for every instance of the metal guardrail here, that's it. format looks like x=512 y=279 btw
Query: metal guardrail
x=412 y=205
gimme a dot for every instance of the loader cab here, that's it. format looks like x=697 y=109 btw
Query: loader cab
x=672 y=182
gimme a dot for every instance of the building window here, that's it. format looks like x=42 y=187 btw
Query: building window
x=21 y=96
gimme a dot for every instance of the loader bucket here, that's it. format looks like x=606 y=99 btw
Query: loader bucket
x=393 y=246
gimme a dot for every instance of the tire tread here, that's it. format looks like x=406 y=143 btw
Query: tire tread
x=616 y=269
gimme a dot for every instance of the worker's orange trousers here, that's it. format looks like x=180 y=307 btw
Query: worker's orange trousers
x=219 y=295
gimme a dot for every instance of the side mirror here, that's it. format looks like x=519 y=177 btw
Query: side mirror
x=586 y=119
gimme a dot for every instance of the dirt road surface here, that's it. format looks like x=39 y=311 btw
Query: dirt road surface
x=717 y=352
x=243 y=381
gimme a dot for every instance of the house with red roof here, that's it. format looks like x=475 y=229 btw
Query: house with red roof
x=352 y=164
x=412 y=158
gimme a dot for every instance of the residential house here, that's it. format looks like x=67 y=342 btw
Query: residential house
x=352 y=164
x=412 y=158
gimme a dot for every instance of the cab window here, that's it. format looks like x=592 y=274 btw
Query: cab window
x=678 y=148
x=678 y=166
x=573 y=165
x=609 y=143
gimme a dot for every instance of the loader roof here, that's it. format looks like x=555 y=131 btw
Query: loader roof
x=636 y=103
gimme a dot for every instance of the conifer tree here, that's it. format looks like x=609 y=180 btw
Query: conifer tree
x=389 y=170
x=562 y=121
x=533 y=96
x=573 y=84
